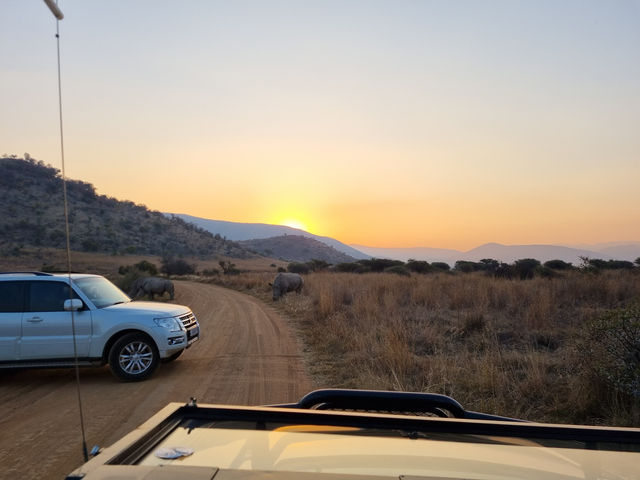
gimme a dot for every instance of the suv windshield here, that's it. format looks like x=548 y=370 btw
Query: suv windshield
x=101 y=291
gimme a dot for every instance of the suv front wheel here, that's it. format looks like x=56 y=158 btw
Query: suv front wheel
x=133 y=357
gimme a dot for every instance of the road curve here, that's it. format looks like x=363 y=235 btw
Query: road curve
x=247 y=355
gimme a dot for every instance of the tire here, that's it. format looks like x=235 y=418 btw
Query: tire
x=133 y=357
x=172 y=357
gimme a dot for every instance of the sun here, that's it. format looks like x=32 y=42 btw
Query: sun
x=294 y=224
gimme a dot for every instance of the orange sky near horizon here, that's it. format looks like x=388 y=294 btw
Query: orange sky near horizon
x=436 y=124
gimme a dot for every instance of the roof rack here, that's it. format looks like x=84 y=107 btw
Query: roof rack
x=387 y=401
x=38 y=274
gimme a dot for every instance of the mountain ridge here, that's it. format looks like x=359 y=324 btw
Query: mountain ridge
x=238 y=231
x=508 y=253
x=33 y=215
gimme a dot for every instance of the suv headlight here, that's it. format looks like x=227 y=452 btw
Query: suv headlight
x=172 y=324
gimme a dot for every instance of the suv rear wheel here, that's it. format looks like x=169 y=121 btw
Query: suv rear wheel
x=133 y=357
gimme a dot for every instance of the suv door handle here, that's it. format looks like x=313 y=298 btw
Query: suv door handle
x=34 y=319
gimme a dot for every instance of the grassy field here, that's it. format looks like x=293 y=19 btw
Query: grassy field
x=526 y=349
x=529 y=349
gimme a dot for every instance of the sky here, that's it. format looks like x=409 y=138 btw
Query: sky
x=401 y=123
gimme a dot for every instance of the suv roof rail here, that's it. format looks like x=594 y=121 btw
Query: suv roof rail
x=36 y=273
x=387 y=401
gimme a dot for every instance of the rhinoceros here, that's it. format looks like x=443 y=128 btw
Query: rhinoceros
x=150 y=286
x=286 y=282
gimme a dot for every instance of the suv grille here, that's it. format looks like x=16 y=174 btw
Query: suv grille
x=188 y=320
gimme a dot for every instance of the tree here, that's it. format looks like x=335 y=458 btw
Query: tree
x=441 y=266
x=489 y=265
x=466 y=266
x=525 y=267
x=418 y=266
x=558 y=265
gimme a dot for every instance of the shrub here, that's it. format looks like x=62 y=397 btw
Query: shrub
x=228 y=268
x=316 y=265
x=296 y=267
x=558 y=265
x=599 y=264
x=398 y=270
x=614 y=349
x=348 y=267
x=176 y=266
x=143 y=266
x=419 y=266
x=466 y=266
x=379 y=264
x=441 y=266
x=526 y=267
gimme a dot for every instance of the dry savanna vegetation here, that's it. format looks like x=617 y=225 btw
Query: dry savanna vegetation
x=564 y=348
x=546 y=349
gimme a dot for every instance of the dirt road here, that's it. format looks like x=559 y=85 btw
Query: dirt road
x=247 y=355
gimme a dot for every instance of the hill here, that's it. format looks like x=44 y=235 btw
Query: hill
x=296 y=248
x=509 y=253
x=31 y=193
x=250 y=231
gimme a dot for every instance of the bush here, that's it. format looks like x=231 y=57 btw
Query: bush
x=526 y=267
x=298 y=267
x=398 y=270
x=379 y=264
x=558 y=265
x=466 y=266
x=173 y=266
x=418 y=266
x=614 y=349
x=228 y=268
x=441 y=266
x=143 y=267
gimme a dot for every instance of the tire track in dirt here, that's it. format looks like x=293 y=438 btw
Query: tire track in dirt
x=246 y=355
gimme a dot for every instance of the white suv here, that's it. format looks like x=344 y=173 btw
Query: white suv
x=43 y=324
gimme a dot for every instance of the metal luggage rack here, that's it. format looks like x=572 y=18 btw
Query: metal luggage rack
x=36 y=273
x=381 y=401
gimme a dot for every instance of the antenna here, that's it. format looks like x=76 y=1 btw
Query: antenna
x=59 y=16
x=54 y=9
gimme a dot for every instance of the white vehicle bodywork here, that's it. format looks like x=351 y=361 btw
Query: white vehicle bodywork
x=84 y=330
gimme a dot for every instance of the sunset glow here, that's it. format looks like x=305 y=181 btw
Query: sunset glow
x=294 y=224
x=395 y=124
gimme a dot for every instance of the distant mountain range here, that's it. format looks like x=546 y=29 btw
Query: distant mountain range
x=510 y=253
x=296 y=248
x=251 y=231
x=505 y=253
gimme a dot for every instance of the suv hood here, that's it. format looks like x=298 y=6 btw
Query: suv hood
x=160 y=309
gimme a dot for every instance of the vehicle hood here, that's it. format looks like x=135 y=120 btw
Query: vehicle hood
x=155 y=308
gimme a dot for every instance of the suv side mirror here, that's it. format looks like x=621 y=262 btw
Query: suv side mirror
x=73 y=304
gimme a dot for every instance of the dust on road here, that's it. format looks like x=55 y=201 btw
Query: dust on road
x=247 y=355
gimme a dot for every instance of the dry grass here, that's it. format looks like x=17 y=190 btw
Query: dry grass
x=500 y=346
x=509 y=347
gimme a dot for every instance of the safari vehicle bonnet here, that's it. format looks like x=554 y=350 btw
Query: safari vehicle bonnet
x=354 y=434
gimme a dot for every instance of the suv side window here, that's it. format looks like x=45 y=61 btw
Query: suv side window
x=12 y=296
x=48 y=296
